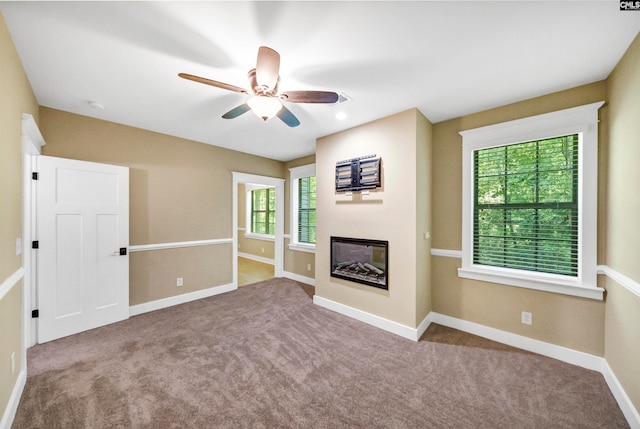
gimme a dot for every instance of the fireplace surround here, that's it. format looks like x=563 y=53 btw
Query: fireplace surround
x=360 y=260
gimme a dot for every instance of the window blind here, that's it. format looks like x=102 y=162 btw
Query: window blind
x=526 y=206
x=307 y=210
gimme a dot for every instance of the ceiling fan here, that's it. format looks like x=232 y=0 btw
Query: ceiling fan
x=265 y=101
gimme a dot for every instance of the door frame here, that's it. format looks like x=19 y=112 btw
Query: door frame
x=32 y=142
x=278 y=183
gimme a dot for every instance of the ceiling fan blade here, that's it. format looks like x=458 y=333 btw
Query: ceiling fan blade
x=237 y=111
x=267 y=67
x=288 y=117
x=310 y=96
x=213 y=83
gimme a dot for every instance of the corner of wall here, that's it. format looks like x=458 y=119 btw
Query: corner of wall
x=621 y=227
x=424 y=209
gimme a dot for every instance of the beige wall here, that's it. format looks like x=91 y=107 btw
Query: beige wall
x=153 y=274
x=16 y=97
x=299 y=262
x=10 y=342
x=180 y=190
x=295 y=261
x=386 y=214
x=622 y=326
x=423 y=162
x=623 y=198
x=256 y=247
x=558 y=319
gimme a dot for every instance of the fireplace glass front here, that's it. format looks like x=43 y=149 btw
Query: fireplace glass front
x=360 y=260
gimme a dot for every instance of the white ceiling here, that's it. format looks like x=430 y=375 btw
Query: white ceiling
x=446 y=58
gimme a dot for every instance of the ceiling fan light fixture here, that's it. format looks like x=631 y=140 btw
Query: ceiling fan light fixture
x=264 y=107
x=266 y=101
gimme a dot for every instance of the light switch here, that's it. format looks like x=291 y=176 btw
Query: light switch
x=18 y=246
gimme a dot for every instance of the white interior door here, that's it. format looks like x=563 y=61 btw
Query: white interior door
x=82 y=225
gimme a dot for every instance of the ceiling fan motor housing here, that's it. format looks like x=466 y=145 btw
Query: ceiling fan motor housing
x=262 y=89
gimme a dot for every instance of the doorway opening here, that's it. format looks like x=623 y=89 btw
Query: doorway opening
x=258 y=228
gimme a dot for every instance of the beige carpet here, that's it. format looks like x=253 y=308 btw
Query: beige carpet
x=265 y=357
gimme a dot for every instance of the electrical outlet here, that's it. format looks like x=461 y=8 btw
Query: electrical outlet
x=13 y=363
x=179 y=282
x=308 y=267
x=263 y=250
x=526 y=318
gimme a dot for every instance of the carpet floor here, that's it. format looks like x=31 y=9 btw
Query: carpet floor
x=264 y=356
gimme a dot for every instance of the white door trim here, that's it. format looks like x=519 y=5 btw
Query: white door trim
x=279 y=235
x=32 y=142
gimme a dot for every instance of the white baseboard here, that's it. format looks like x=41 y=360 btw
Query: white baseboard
x=370 y=319
x=424 y=325
x=146 y=307
x=629 y=411
x=12 y=406
x=299 y=278
x=564 y=354
x=257 y=258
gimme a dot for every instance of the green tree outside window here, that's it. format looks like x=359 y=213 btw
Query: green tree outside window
x=307 y=210
x=263 y=211
x=526 y=206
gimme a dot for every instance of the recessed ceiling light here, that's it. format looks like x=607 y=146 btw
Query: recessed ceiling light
x=341 y=115
x=95 y=105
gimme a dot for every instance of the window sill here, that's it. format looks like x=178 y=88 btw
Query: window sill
x=520 y=279
x=264 y=237
x=300 y=247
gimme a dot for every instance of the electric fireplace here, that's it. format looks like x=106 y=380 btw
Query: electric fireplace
x=360 y=260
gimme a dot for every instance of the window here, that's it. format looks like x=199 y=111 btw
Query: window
x=303 y=208
x=263 y=211
x=529 y=202
x=525 y=213
x=307 y=210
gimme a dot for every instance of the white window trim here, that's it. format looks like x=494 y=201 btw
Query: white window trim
x=582 y=120
x=249 y=187
x=296 y=173
x=264 y=237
